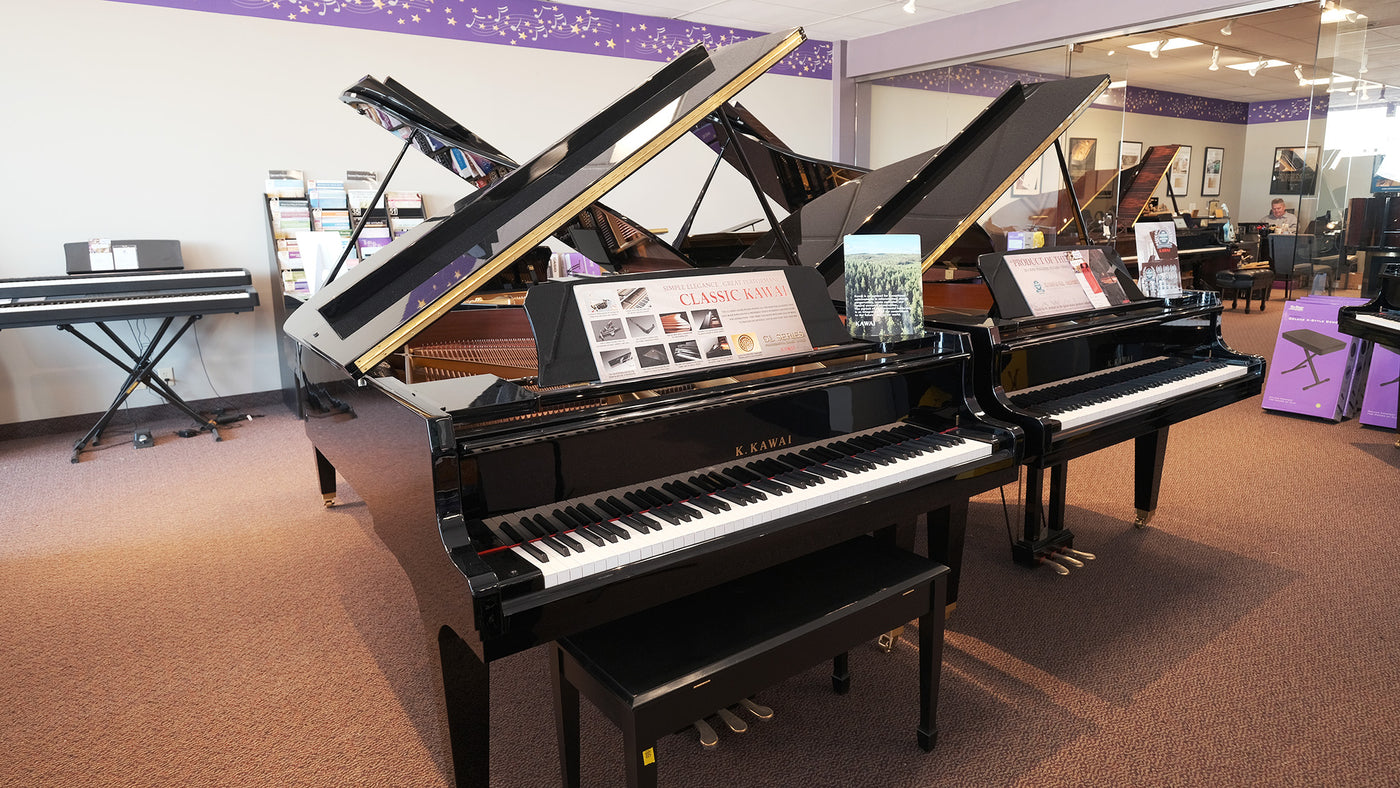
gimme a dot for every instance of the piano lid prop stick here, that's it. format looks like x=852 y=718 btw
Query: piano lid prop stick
x=364 y=218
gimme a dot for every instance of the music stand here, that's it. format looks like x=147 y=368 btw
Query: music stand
x=1313 y=344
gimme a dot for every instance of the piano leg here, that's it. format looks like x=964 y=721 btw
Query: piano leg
x=466 y=684
x=930 y=665
x=947 y=528
x=566 y=706
x=1044 y=531
x=1149 y=454
x=326 y=473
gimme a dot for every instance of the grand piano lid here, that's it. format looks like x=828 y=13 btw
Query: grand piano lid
x=435 y=134
x=941 y=193
x=362 y=317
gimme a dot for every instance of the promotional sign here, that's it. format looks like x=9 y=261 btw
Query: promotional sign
x=648 y=327
x=1058 y=282
x=1382 y=399
x=1314 y=368
x=1159 y=268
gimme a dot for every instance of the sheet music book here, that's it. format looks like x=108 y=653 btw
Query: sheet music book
x=1159 y=268
x=884 y=286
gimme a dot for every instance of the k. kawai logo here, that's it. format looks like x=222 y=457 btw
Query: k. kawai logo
x=767 y=444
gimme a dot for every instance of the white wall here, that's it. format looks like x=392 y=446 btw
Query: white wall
x=127 y=121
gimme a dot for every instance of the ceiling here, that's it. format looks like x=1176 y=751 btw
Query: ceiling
x=825 y=20
x=1290 y=35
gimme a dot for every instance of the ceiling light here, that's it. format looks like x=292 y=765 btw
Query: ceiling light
x=1228 y=28
x=1122 y=83
x=1298 y=72
x=1112 y=52
x=1258 y=67
x=1157 y=50
x=1165 y=46
x=1268 y=63
x=1215 y=60
x=1362 y=69
x=909 y=7
x=1336 y=14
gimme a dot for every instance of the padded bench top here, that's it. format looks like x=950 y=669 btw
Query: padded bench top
x=667 y=646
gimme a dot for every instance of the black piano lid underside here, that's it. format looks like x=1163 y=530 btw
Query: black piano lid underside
x=393 y=98
x=938 y=193
x=360 y=318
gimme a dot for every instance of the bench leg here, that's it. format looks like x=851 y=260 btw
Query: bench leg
x=840 y=674
x=566 y=718
x=641 y=760
x=930 y=665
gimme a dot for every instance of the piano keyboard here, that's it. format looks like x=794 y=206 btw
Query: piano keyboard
x=1389 y=321
x=575 y=539
x=163 y=299
x=1103 y=395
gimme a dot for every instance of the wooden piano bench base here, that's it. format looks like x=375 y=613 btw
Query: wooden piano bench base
x=658 y=671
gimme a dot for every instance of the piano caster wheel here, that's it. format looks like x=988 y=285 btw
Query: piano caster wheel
x=885 y=642
x=1143 y=517
x=708 y=737
x=756 y=709
x=329 y=501
x=732 y=720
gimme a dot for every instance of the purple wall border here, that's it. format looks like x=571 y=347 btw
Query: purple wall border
x=552 y=26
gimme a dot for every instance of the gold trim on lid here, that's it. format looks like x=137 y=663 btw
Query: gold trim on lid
x=636 y=159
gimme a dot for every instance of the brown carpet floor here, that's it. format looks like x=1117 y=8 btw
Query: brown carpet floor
x=190 y=615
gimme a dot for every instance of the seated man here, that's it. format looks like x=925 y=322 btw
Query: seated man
x=1280 y=219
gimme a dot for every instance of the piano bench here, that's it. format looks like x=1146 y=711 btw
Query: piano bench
x=1250 y=280
x=658 y=671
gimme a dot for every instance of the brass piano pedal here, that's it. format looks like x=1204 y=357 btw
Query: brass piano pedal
x=708 y=737
x=1060 y=569
x=1080 y=554
x=732 y=720
x=1074 y=562
x=756 y=709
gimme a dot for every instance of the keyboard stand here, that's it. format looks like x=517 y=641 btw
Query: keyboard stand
x=657 y=671
x=140 y=370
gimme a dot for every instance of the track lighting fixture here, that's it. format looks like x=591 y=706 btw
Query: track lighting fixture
x=1228 y=29
x=1215 y=60
x=1298 y=72
x=1157 y=50
x=1362 y=69
x=909 y=7
x=1257 y=67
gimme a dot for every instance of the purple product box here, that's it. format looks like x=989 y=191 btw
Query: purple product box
x=1312 y=370
x=1378 y=409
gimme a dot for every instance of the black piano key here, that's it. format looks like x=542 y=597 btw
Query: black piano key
x=570 y=518
x=740 y=473
x=555 y=546
x=599 y=531
x=638 y=524
x=770 y=486
x=826 y=471
x=665 y=514
x=662 y=497
x=680 y=490
x=531 y=528
x=707 y=503
x=570 y=542
x=734 y=497
x=606 y=506
x=793 y=480
x=637 y=501
x=686 y=509
x=820 y=453
x=621 y=506
x=548 y=525
x=592 y=537
x=535 y=552
x=612 y=528
x=589 y=514
x=512 y=534
x=705 y=483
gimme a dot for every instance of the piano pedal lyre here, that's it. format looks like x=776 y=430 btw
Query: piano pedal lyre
x=756 y=709
x=708 y=737
x=731 y=720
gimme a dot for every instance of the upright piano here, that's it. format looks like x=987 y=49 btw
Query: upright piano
x=1110 y=353
x=72 y=301
x=1379 y=319
x=535 y=497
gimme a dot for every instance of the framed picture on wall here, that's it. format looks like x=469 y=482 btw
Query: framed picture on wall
x=1295 y=171
x=1129 y=154
x=1029 y=182
x=1180 y=179
x=1083 y=152
x=1211 y=168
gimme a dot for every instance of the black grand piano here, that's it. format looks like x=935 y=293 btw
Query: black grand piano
x=1108 y=355
x=1379 y=319
x=526 y=500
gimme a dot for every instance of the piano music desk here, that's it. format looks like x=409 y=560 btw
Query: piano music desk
x=1313 y=344
x=657 y=671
